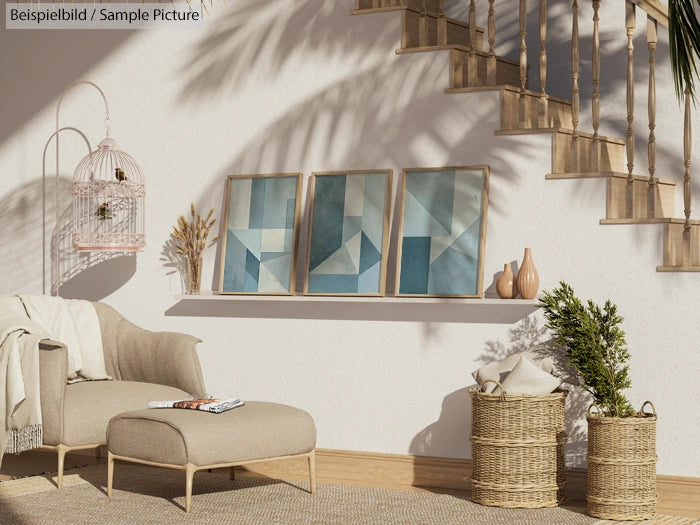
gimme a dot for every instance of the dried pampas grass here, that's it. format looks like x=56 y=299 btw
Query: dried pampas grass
x=191 y=241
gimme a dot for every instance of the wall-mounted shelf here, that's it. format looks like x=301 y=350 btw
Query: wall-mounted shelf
x=352 y=308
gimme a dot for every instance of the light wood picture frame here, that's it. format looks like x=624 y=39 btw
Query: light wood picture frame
x=259 y=246
x=348 y=233
x=442 y=231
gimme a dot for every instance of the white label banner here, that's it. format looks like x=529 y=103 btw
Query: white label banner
x=44 y=15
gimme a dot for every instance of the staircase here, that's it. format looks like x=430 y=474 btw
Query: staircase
x=474 y=66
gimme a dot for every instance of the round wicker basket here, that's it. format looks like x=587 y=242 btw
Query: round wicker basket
x=622 y=465
x=518 y=449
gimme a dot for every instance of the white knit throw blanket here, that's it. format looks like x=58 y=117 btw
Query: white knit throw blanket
x=20 y=404
x=74 y=323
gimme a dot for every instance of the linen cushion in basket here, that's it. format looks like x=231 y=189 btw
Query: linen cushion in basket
x=528 y=378
x=499 y=370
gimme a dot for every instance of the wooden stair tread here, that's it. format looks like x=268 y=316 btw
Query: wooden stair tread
x=371 y=10
x=566 y=131
x=657 y=220
x=436 y=47
x=678 y=268
x=460 y=47
x=505 y=87
x=605 y=174
x=453 y=21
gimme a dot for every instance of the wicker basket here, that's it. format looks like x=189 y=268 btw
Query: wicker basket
x=622 y=465
x=518 y=449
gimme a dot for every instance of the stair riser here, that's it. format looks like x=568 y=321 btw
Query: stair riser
x=674 y=242
x=612 y=155
x=558 y=113
x=506 y=72
x=456 y=33
x=645 y=203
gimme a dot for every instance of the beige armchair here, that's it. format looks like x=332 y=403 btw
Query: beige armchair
x=146 y=366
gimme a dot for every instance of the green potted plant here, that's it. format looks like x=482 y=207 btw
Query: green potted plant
x=621 y=442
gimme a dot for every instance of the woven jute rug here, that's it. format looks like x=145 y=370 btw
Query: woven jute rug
x=148 y=495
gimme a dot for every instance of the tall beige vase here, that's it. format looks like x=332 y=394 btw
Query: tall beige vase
x=528 y=281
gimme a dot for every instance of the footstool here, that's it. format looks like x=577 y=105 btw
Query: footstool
x=193 y=440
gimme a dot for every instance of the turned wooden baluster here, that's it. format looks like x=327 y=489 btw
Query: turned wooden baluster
x=423 y=25
x=574 y=89
x=442 y=25
x=491 y=62
x=687 y=142
x=630 y=23
x=595 y=146
x=523 y=61
x=471 y=65
x=652 y=38
x=543 y=110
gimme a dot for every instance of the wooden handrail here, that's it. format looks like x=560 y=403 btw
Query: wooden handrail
x=655 y=9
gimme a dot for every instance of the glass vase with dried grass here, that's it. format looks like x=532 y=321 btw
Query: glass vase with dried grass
x=190 y=242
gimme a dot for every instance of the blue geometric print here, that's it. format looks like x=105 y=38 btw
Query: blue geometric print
x=259 y=249
x=441 y=232
x=347 y=233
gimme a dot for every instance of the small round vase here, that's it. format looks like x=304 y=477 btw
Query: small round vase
x=528 y=281
x=505 y=285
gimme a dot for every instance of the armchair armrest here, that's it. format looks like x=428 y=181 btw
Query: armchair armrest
x=166 y=358
x=53 y=369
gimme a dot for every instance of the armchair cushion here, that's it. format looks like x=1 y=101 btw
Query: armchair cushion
x=135 y=354
x=90 y=405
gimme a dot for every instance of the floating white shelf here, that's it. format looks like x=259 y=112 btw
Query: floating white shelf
x=214 y=296
x=354 y=308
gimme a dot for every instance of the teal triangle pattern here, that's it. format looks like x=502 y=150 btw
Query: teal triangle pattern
x=351 y=227
x=339 y=262
x=280 y=267
x=369 y=255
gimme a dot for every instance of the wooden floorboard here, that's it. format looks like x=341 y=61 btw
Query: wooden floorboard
x=678 y=496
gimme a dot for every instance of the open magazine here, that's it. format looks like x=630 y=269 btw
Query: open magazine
x=207 y=405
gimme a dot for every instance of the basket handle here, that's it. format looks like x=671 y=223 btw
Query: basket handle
x=503 y=390
x=598 y=411
x=653 y=409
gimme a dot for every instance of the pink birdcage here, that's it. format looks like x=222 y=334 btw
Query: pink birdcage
x=109 y=201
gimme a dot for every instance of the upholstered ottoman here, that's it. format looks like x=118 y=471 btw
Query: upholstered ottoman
x=193 y=440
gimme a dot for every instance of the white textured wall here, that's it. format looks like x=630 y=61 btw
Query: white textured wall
x=286 y=86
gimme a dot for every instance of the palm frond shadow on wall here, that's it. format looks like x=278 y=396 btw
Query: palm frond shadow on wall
x=381 y=115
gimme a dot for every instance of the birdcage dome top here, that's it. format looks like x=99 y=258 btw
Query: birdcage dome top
x=108 y=163
x=108 y=143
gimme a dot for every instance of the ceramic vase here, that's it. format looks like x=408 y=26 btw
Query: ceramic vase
x=505 y=285
x=528 y=281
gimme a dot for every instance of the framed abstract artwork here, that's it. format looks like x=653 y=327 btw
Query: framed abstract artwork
x=258 y=252
x=348 y=233
x=442 y=232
